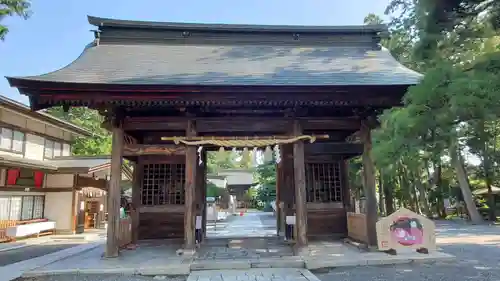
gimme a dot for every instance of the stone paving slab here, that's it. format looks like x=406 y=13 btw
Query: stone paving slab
x=246 y=248
x=284 y=262
x=150 y=258
x=265 y=274
x=16 y=270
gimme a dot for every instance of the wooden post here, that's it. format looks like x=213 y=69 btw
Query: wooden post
x=189 y=191
x=136 y=201
x=346 y=186
x=204 y=194
x=369 y=184
x=114 y=190
x=300 y=187
x=277 y=212
x=199 y=191
x=288 y=193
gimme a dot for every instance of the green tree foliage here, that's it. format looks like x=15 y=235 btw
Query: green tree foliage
x=8 y=8
x=228 y=159
x=266 y=180
x=214 y=191
x=420 y=148
x=99 y=143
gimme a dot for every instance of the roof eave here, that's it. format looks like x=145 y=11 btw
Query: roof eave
x=108 y=22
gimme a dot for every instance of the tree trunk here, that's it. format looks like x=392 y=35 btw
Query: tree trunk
x=487 y=172
x=381 y=199
x=458 y=163
x=435 y=183
x=388 y=195
x=423 y=198
x=403 y=199
x=409 y=190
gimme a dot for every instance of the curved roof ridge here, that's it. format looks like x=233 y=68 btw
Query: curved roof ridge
x=402 y=66
x=108 y=22
x=36 y=77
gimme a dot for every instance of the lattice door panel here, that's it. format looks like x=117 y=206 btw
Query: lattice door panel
x=323 y=182
x=163 y=184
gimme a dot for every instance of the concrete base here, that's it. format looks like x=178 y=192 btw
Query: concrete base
x=160 y=259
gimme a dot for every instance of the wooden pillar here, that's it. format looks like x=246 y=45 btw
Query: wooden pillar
x=112 y=243
x=346 y=186
x=288 y=194
x=189 y=191
x=199 y=190
x=136 y=200
x=278 y=211
x=300 y=187
x=204 y=194
x=369 y=184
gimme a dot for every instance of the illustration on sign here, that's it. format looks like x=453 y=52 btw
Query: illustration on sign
x=407 y=231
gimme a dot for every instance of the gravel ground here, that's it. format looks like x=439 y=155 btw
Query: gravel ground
x=477 y=249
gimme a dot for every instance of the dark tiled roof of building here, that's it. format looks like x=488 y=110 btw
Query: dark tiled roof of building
x=22 y=108
x=64 y=164
x=150 y=53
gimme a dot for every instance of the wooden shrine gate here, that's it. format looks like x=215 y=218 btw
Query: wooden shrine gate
x=156 y=80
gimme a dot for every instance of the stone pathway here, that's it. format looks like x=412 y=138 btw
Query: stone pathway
x=251 y=224
x=247 y=248
x=264 y=274
x=251 y=236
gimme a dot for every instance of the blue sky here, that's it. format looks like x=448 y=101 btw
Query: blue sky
x=58 y=31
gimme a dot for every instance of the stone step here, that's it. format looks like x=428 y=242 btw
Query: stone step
x=259 y=274
x=219 y=264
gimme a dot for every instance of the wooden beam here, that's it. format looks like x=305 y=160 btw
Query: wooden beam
x=153 y=149
x=112 y=243
x=239 y=124
x=342 y=148
x=86 y=181
x=300 y=187
x=189 y=191
x=369 y=185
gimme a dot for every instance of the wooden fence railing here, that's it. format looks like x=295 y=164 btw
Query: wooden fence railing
x=3 y=228
x=125 y=231
x=356 y=227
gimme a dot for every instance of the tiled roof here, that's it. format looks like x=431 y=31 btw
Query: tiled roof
x=22 y=108
x=62 y=165
x=234 y=65
x=151 y=53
